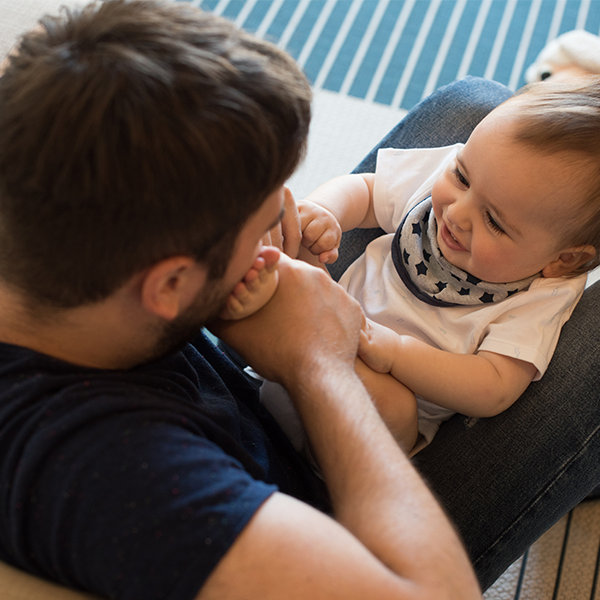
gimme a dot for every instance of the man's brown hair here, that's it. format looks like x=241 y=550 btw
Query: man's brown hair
x=135 y=130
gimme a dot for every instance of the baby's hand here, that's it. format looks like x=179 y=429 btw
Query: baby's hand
x=257 y=287
x=321 y=232
x=378 y=346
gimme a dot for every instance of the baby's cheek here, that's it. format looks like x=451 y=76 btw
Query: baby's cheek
x=438 y=195
x=490 y=263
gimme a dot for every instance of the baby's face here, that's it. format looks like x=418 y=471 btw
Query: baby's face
x=500 y=204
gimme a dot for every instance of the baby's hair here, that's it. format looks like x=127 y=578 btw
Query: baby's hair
x=565 y=118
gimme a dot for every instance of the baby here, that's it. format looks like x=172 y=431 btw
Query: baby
x=485 y=258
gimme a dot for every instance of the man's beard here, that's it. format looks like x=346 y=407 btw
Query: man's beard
x=185 y=328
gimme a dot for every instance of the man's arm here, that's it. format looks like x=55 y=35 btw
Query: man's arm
x=388 y=538
x=476 y=385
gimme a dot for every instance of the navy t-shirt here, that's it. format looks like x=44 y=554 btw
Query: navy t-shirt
x=134 y=484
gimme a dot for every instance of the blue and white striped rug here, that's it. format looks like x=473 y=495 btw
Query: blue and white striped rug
x=397 y=51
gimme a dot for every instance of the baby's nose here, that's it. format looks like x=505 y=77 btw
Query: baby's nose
x=458 y=216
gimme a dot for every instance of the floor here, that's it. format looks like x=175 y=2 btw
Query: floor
x=562 y=565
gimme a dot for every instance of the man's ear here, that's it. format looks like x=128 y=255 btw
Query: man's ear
x=170 y=286
x=569 y=260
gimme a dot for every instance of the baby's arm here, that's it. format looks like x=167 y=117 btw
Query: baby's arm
x=339 y=205
x=476 y=385
x=256 y=289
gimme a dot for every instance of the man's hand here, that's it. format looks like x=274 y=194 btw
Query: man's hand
x=287 y=235
x=321 y=232
x=310 y=323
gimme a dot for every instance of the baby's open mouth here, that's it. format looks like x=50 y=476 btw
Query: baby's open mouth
x=450 y=240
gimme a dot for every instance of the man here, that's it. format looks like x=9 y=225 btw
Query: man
x=143 y=150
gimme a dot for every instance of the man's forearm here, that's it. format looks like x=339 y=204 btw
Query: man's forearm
x=376 y=493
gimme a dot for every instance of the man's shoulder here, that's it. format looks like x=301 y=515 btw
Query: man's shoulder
x=43 y=394
x=133 y=456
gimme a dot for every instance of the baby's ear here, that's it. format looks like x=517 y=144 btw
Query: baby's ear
x=569 y=260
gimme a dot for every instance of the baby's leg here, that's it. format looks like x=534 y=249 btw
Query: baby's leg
x=395 y=403
x=256 y=289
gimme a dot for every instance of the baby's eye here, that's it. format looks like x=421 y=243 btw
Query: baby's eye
x=493 y=225
x=460 y=178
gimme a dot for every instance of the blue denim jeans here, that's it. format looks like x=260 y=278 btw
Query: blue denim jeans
x=505 y=480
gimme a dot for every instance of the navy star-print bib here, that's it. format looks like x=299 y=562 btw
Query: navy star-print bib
x=430 y=277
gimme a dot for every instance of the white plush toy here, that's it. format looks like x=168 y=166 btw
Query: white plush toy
x=576 y=51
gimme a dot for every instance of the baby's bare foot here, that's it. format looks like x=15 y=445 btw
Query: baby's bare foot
x=256 y=289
